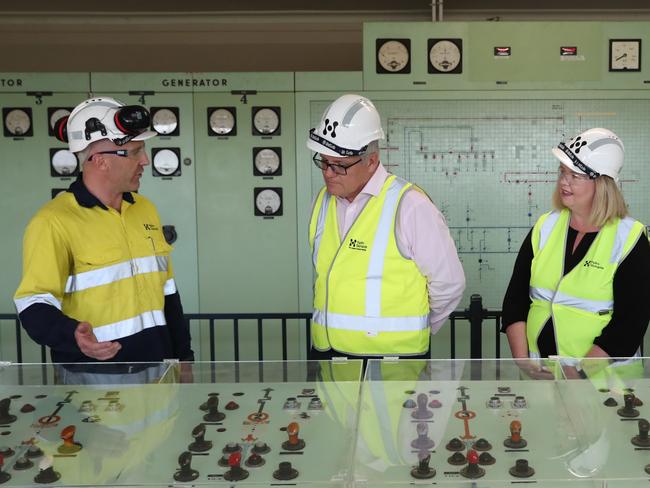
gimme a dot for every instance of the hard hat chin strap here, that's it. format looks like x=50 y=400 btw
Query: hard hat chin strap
x=577 y=163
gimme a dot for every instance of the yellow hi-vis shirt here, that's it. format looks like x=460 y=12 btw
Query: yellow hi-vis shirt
x=368 y=298
x=582 y=301
x=95 y=264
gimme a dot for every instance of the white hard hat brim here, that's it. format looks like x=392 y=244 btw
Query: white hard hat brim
x=564 y=159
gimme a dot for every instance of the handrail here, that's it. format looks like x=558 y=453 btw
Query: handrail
x=475 y=314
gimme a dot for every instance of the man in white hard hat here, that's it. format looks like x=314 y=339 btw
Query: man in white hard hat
x=97 y=275
x=387 y=271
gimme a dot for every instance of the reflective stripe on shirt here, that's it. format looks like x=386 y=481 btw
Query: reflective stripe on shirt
x=129 y=327
x=170 y=287
x=116 y=272
x=45 y=298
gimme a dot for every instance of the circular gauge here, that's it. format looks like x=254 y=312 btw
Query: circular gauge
x=393 y=56
x=17 y=122
x=267 y=161
x=166 y=162
x=266 y=121
x=57 y=114
x=222 y=122
x=164 y=121
x=444 y=56
x=268 y=201
x=64 y=162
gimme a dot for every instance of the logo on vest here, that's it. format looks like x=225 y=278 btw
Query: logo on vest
x=593 y=264
x=150 y=226
x=357 y=245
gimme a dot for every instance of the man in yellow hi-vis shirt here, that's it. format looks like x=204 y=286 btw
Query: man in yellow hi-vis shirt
x=387 y=271
x=97 y=275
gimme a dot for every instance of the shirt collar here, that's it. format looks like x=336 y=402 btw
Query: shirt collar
x=376 y=182
x=87 y=199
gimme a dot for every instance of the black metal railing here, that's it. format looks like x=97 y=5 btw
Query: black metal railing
x=18 y=336
x=235 y=318
x=475 y=315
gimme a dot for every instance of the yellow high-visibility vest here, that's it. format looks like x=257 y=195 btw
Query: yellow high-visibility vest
x=368 y=298
x=582 y=301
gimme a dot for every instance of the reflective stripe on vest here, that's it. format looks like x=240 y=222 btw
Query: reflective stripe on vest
x=320 y=224
x=622 y=232
x=559 y=298
x=374 y=324
x=547 y=227
x=376 y=265
x=116 y=272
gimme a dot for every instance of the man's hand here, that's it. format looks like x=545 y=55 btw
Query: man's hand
x=91 y=347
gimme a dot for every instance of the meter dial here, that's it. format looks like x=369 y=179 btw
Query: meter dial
x=164 y=121
x=393 y=56
x=445 y=55
x=266 y=121
x=166 y=162
x=55 y=115
x=267 y=161
x=625 y=54
x=62 y=162
x=268 y=201
x=17 y=122
x=222 y=121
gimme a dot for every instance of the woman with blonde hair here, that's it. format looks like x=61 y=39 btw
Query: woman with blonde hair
x=581 y=282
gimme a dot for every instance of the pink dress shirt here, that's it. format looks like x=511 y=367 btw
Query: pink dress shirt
x=423 y=236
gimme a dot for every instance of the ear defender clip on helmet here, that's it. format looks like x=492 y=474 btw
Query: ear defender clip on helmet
x=94 y=125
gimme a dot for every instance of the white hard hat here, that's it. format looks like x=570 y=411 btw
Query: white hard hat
x=595 y=152
x=103 y=118
x=348 y=125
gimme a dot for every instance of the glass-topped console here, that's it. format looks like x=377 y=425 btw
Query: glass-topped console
x=249 y=423
x=495 y=423
x=448 y=423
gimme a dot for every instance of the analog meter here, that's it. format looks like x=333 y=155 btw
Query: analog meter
x=266 y=121
x=267 y=161
x=268 y=201
x=166 y=161
x=222 y=121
